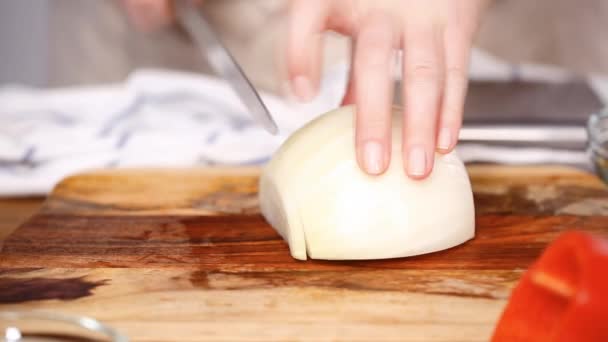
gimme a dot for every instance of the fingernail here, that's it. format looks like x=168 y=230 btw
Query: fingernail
x=416 y=165
x=372 y=157
x=444 y=141
x=303 y=88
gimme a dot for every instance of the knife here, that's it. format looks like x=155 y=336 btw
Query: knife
x=222 y=62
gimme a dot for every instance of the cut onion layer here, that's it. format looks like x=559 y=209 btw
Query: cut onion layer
x=317 y=198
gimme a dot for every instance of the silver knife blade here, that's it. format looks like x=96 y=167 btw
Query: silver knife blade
x=223 y=62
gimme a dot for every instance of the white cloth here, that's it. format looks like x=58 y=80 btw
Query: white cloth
x=167 y=119
x=155 y=119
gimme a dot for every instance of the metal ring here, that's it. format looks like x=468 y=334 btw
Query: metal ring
x=84 y=322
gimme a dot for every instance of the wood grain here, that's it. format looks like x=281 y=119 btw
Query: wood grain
x=168 y=255
x=14 y=211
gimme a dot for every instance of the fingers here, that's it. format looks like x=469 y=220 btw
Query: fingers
x=373 y=93
x=306 y=25
x=457 y=46
x=148 y=15
x=422 y=86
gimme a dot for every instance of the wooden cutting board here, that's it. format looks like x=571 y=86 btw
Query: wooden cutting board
x=183 y=255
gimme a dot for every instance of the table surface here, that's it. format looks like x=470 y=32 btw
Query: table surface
x=165 y=255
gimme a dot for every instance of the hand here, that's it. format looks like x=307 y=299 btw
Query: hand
x=436 y=38
x=148 y=15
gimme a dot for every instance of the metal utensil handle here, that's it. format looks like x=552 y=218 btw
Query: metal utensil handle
x=524 y=134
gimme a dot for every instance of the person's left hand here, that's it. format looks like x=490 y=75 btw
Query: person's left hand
x=436 y=38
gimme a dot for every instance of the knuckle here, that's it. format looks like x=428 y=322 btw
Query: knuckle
x=423 y=72
x=374 y=54
x=374 y=59
x=457 y=74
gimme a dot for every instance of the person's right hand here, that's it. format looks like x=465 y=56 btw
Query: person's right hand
x=436 y=38
x=149 y=15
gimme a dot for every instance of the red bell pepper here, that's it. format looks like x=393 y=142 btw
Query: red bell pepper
x=563 y=296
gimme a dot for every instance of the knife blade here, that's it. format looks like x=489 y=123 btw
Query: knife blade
x=222 y=62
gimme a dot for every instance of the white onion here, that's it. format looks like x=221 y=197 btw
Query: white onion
x=316 y=197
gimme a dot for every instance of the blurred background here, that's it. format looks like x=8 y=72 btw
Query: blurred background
x=68 y=42
x=81 y=87
x=24 y=37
